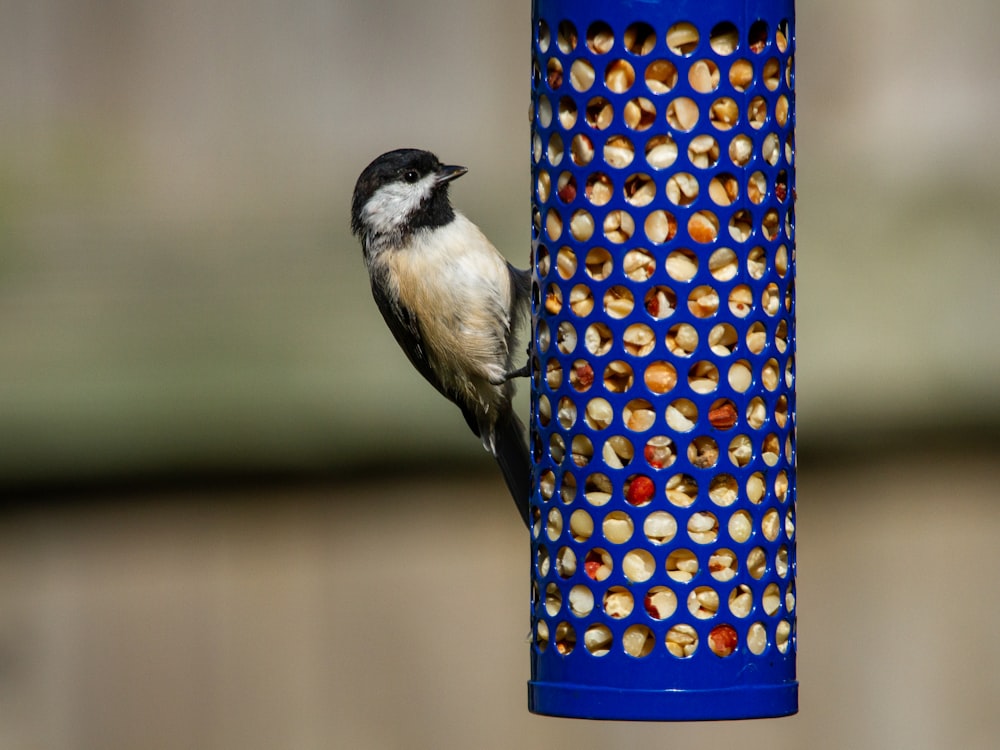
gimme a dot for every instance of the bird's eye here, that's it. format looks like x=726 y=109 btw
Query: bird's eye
x=411 y=175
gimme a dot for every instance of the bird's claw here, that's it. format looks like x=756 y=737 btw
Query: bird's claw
x=521 y=372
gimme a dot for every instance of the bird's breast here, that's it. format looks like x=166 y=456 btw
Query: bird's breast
x=458 y=286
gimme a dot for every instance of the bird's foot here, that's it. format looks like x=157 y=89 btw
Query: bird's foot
x=521 y=372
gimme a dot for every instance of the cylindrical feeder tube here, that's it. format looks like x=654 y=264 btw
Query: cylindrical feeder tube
x=663 y=397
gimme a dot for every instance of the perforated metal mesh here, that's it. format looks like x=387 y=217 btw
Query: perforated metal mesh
x=663 y=406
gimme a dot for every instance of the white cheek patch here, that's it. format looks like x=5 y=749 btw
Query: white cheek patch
x=392 y=204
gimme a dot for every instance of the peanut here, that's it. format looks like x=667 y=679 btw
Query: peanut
x=703 y=528
x=554 y=73
x=619 y=151
x=741 y=149
x=703 y=227
x=724 y=113
x=741 y=601
x=581 y=301
x=581 y=525
x=661 y=76
x=660 y=602
x=638 y=415
x=682 y=640
x=741 y=74
x=598 y=639
x=618 y=452
x=682 y=189
x=723 y=416
x=771 y=74
x=660 y=227
x=638 y=339
x=682 y=340
x=681 y=490
x=639 y=190
x=597 y=339
x=678 y=420
x=581 y=150
x=703 y=452
x=725 y=39
x=682 y=113
x=704 y=76
x=756 y=562
x=660 y=377
x=565 y=262
x=553 y=224
x=661 y=152
x=598 y=263
x=703 y=151
x=639 y=265
x=771 y=600
x=703 y=302
x=567 y=112
x=599 y=413
x=581 y=225
x=638 y=565
x=740 y=526
x=757 y=638
x=722 y=565
x=617 y=527
x=703 y=603
x=659 y=527
x=740 y=376
x=740 y=450
x=618 y=226
x=599 y=113
x=638 y=641
x=600 y=38
x=581 y=601
x=598 y=189
x=659 y=452
x=682 y=265
x=682 y=565
x=639 y=114
x=723 y=189
x=618 y=602
x=640 y=38
x=682 y=38
x=619 y=76
x=723 y=490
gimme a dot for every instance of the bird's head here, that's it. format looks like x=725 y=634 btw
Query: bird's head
x=399 y=192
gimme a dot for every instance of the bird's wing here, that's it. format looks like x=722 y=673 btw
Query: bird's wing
x=405 y=329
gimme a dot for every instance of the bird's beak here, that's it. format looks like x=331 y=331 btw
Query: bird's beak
x=450 y=172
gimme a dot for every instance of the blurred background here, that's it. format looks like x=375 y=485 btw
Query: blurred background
x=233 y=517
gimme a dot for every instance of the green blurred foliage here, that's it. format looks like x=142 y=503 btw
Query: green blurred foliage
x=179 y=290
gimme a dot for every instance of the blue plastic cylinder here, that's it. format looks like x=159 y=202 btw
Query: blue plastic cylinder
x=663 y=401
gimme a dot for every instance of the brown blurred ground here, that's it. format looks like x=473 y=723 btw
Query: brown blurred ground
x=380 y=615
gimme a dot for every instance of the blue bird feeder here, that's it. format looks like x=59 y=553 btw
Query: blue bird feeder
x=663 y=397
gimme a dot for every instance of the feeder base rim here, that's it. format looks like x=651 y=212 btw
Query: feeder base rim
x=625 y=704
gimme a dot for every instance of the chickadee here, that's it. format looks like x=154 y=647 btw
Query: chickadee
x=451 y=300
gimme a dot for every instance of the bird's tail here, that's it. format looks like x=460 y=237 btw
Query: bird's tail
x=511 y=452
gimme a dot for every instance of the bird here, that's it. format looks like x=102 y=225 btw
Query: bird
x=453 y=303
